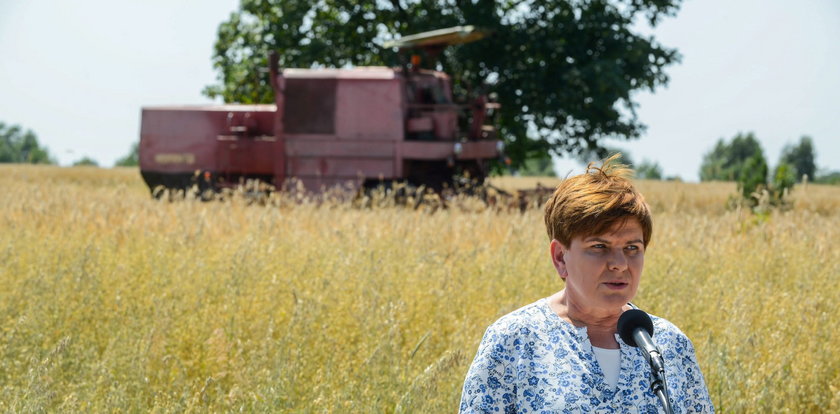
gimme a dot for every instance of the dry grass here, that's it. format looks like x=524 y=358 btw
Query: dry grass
x=110 y=301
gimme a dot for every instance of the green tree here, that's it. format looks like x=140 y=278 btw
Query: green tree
x=538 y=167
x=649 y=170
x=86 y=162
x=801 y=157
x=132 y=159
x=19 y=146
x=752 y=177
x=743 y=161
x=603 y=152
x=784 y=178
x=564 y=70
x=725 y=162
x=828 y=177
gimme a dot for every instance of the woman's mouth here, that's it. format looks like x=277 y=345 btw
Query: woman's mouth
x=616 y=285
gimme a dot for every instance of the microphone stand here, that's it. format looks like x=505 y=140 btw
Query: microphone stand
x=657 y=383
x=641 y=339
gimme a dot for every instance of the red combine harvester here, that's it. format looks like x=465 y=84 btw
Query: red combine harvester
x=328 y=127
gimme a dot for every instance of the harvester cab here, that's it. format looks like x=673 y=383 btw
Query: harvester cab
x=432 y=112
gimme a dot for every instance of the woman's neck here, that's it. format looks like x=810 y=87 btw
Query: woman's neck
x=600 y=323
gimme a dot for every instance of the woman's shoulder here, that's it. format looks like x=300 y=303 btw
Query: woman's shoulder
x=662 y=324
x=526 y=320
x=665 y=332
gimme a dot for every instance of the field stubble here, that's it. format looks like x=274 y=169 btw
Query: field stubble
x=110 y=301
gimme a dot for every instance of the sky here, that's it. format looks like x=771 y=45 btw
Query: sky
x=77 y=74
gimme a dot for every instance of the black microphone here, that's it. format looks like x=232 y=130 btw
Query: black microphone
x=636 y=328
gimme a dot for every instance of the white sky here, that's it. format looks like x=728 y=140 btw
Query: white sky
x=78 y=72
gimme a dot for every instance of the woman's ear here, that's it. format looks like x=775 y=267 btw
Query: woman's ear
x=558 y=258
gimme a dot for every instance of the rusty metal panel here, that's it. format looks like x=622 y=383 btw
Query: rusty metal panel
x=310 y=106
x=184 y=139
x=426 y=150
x=335 y=148
x=177 y=141
x=446 y=124
x=245 y=155
x=333 y=159
x=340 y=167
x=361 y=72
x=370 y=110
x=478 y=150
x=436 y=150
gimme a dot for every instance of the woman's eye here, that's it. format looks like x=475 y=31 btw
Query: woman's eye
x=632 y=247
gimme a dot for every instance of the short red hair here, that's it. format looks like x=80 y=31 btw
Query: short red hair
x=590 y=203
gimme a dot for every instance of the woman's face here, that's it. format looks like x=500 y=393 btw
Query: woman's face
x=602 y=271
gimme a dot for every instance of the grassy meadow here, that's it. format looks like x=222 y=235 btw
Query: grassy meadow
x=113 y=302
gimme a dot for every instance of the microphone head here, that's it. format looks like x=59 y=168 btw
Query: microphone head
x=629 y=321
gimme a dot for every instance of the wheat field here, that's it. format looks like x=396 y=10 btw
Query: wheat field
x=113 y=302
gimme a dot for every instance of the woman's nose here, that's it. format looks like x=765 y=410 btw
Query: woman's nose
x=617 y=261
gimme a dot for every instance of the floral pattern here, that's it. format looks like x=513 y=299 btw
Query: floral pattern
x=532 y=361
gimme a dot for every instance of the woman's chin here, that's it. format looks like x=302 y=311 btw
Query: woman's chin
x=616 y=299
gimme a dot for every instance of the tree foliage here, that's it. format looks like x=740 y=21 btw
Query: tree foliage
x=725 y=162
x=132 y=159
x=564 y=70
x=784 y=178
x=538 y=167
x=19 y=146
x=587 y=155
x=752 y=177
x=801 y=157
x=649 y=170
x=85 y=162
x=742 y=160
x=828 y=177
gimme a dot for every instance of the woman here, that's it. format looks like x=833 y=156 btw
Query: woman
x=562 y=353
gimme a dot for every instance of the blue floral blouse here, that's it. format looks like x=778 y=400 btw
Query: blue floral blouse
x=532 y=361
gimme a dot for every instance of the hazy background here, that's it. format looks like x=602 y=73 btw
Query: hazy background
x=77 y=74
